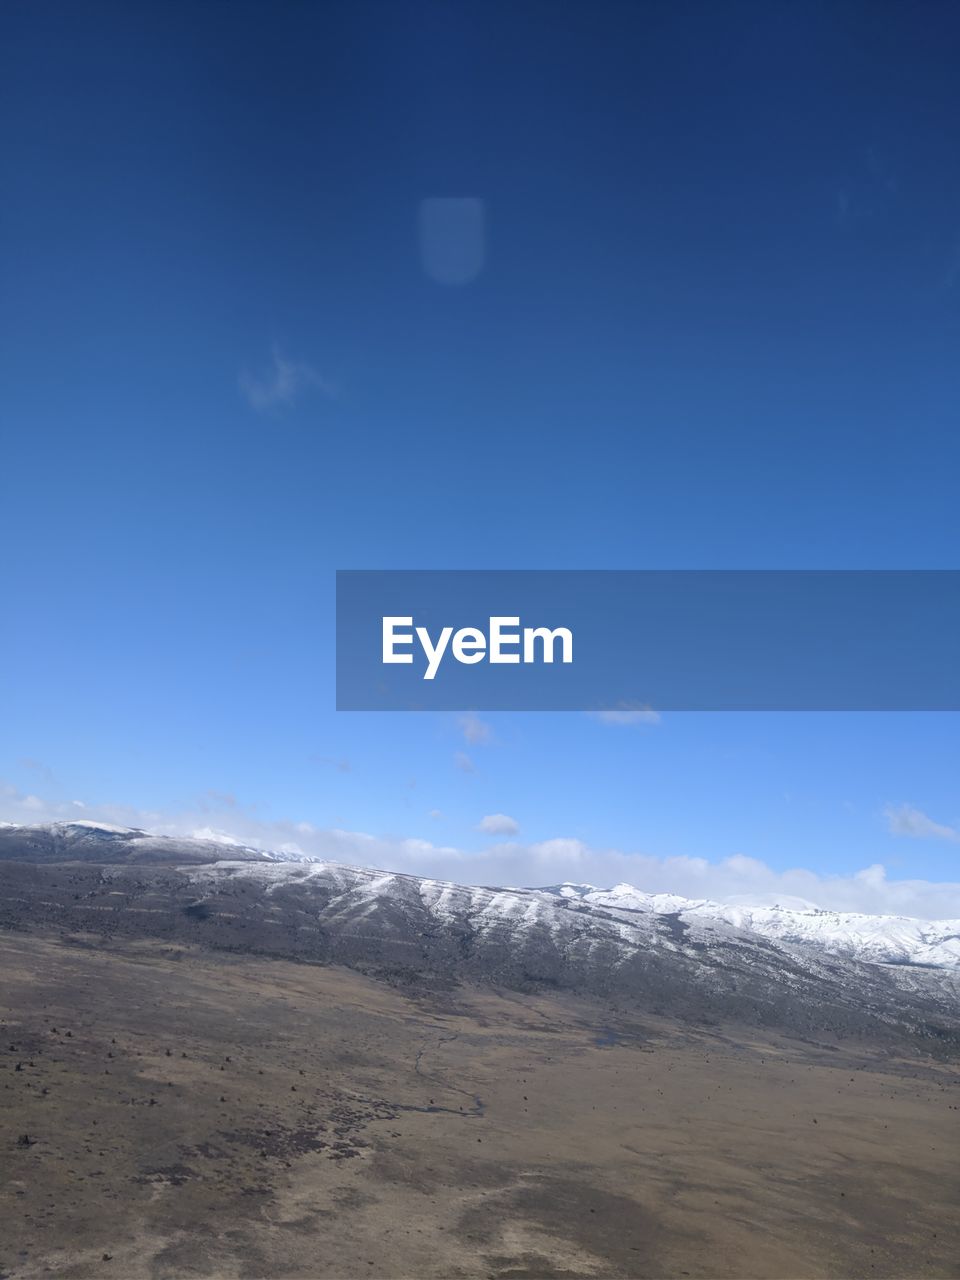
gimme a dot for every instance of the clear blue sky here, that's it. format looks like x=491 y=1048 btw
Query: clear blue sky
x=716 y=324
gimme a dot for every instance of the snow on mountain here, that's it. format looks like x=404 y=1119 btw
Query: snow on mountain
x=794 y=967
x=626 y=916
x=878 y=939
x=623 y=912
x=108 y=827
x=86 y=841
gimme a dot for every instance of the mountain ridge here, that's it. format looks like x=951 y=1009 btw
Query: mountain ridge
x=107 y=887
x=876 y=939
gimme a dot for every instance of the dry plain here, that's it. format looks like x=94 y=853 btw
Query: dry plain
x=170 y=1112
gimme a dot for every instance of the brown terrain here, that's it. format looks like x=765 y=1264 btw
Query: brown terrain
x=170 y=1112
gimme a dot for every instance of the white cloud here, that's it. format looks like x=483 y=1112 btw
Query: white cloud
x=463 y=762
x=907 y=821
x=498 y=824
x=218 y=837
x=543 y=863
x=474 y=729
x=283 y=385
x=626 y=714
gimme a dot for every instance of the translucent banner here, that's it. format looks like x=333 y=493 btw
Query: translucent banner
x=630 y=641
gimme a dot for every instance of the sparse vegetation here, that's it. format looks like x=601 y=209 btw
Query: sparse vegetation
x=458 y=1132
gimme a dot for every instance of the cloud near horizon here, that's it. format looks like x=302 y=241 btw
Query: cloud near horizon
x=543 y=862
x=498 y=824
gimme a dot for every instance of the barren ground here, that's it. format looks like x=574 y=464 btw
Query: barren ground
x=191 y=1114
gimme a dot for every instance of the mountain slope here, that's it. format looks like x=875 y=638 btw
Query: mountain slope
x=880 y=939
x=434 y=934
x=97 y=842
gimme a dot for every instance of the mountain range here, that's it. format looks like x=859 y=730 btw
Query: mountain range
x=817 y=973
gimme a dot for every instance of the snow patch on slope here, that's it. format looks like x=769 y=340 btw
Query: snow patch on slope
x=878 y=939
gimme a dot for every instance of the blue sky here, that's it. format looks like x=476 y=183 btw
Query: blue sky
x=711 y=320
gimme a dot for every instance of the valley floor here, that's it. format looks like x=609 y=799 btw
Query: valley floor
x=168 y=1112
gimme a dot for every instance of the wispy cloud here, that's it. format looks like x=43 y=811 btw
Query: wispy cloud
x=213 y=800
x=463 y=762
x=283 y=385
x=20 y=806
x=341 y=764
x=869 y=189
x=626 y=714
x=474 y=729
x=907 y=821
x=38 y=767
x=498 y=824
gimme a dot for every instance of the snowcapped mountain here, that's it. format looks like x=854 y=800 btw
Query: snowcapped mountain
x=823 y=974
x=885 y=939
x=101 y=842
x=878 y=939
